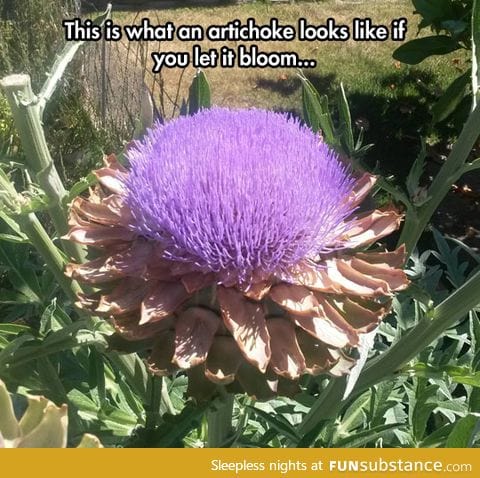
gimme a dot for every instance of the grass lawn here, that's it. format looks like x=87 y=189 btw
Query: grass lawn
x=393 y=98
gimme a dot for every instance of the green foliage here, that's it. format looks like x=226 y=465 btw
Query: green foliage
x=431 y=403
x=31 y=32
x=318 y=116
x=451 y=16
x=415 y=51
x=451 y=99
x=456 y=26
x=428 y=398
x=199 y=93
x=32 y=35
x=46 y=348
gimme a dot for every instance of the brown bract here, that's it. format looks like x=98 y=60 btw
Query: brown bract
x=257 y=339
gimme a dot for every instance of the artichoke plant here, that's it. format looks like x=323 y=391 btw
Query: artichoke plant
x=233 y=246
x=43 y=425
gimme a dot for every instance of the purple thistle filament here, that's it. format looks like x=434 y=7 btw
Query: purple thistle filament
x=245 y=193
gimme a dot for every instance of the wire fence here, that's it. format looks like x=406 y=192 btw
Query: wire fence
x=116 y=77
x=109 y=79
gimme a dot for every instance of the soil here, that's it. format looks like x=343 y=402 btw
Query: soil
x=459 y=214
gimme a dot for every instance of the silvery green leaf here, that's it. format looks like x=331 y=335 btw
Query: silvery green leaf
x=365 y=345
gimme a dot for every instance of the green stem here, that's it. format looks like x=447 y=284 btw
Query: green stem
x=444 y=316
x=325 y=406
x=26 y=113
x=220 y=422
x=152 y=408
x=38 y=237
x=40 y=240
x=130 y=365
x=415 y=224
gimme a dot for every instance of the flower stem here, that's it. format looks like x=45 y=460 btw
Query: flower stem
x=48 y=251
x=26 y=113
x=325 y=407
x=152 y=408
x=220 y=422
x=38 y=237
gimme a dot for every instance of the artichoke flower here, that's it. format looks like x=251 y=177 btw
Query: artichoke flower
x=233 y=245
x=43 y=425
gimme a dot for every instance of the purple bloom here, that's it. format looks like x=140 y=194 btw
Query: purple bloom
x=243 y=193
x=216 y=220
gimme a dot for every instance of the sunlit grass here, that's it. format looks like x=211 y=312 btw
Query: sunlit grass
x=392 y=97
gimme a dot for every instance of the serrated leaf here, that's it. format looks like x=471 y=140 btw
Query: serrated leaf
x=14 y=239
x=424 y=404
x=437 y=438
x=87 y=408
x=381 y=403
x=22 y=278
x=8 y=352
x=472 y=379
x=97 y=374
x=315 y=111
x=12 y=297
x=61 y=334
x=37 y=202
x=53 y=319
x=62 y=62
x=48 y=374
x=452 y=408
x=455 y=270
x=176 y=427
x=12 y=224
x=13 y=329
x=132 y=366
x=64 y=339
x=354 y=416
x=421 y=414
